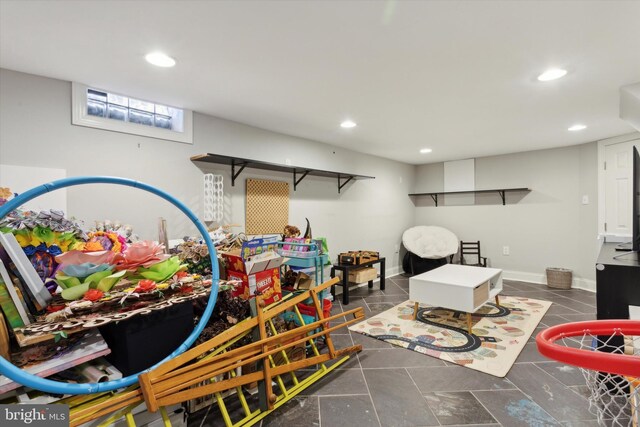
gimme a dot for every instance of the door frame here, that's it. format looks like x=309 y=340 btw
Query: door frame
x=601 y=174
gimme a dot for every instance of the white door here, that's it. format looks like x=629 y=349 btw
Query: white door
x=618 y=187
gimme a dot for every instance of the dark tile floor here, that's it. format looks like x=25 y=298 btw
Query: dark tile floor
x=388 y=386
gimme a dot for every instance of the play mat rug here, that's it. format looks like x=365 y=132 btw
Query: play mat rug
x=499 y=333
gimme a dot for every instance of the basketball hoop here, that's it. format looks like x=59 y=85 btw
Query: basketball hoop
x=608 y=354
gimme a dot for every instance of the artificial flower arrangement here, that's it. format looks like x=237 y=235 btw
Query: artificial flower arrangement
x=108 y=236
x=103 y=269
x=83 y=271
x=43 y=236
x=195 y=255
x=105 y=241
x=127 y=296
x=106 y=281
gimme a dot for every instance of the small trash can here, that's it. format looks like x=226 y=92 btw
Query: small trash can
x=559 y=278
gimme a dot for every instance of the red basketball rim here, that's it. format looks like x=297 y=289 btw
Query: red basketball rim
x=620 y=364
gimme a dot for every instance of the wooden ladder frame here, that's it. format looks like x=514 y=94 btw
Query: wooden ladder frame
x=192 y=374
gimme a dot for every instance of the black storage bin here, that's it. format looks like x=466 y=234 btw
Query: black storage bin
x=413 y=264
x=142 y=341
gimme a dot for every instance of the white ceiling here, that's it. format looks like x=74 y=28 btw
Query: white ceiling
x=457 y=77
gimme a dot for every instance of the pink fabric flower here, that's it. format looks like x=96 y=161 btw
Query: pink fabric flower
x=79 y=257
x=141 y=254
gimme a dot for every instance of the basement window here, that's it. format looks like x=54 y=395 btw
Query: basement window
x=102 y=109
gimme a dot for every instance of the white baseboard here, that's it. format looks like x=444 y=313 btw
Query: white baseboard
x=393 y=271
x=584 y=284
x=523 y=276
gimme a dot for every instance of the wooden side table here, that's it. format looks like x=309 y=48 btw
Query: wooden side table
x=345 y=268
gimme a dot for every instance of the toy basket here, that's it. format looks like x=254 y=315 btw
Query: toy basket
x=559 y=278
x=608 y=354
x=297 y=250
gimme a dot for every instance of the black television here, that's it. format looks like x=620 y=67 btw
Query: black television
x=633 y=247
x=635 y=219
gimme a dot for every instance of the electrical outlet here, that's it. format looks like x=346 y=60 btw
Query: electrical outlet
x=396 y=249
x=505 y=250
x=287 y=162
x=585 y=199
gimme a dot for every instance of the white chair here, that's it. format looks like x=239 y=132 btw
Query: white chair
x=425 y=242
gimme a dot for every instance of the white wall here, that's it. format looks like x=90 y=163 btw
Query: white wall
x=548 y=227
x=36 y=130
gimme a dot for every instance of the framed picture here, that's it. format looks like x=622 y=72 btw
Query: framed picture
x=32 y=283
x=10 y=302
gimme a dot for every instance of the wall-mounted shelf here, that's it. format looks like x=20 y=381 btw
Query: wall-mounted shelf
x=501 y=191
x=299 y=173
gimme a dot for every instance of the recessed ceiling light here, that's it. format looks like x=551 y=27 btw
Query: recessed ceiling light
x=347 y=124
x=425 y=150
x=552 y=74
x=576 y=127
x=159 y=59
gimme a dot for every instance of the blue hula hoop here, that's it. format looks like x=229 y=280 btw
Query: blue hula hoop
x=50 y=386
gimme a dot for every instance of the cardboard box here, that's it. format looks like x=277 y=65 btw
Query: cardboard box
x=266 y=283
x=362 y=275
x=357 y=257
x=255 y=264
x=303 y=281
x=260 y=274
x=254 y=247
x=346 y=258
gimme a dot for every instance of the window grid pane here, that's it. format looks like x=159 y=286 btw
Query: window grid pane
x=117 y=99
x=125 y=109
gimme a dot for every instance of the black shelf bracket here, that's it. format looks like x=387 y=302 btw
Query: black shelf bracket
x=502 y=192
x=235 y=174
x=297 y=181
x=299 y=172
x=340 y=185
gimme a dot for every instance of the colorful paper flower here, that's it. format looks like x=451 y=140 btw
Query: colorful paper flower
x=78 y=257
x=145 y=286
x=162 y=271
x=91 y=280
x=23 y=237
x=141 y=254
x=77 y=246
x=186 y=289
x=102 y=281
x=54 y=308
x=42 y=235
x=52 y=250
x=106 y=241
x=93 y=247
x=85 y=269
x=93 y=295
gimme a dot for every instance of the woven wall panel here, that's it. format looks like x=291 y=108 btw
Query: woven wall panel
x=267 y=206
